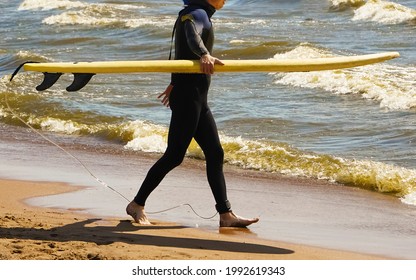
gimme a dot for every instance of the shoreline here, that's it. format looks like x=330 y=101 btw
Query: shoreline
x=38 y=233
x=292 y=210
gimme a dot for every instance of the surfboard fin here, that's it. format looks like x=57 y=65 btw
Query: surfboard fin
x=80 y=81
x=49 y=79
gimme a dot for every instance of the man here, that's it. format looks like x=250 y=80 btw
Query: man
x=191 y=117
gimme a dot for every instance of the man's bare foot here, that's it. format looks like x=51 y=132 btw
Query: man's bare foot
x=136 y=211
x=229 y=219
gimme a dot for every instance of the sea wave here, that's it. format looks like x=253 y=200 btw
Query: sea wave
x=384 y=12
x=394 y=87
x=341 y=5
x=263 y=155
x=28 y=55
x=104 y=15
x=94 y=14
x=409 y=198
x=50 y=5
x=9 y=61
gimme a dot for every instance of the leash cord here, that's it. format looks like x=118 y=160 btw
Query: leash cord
x=61 y=148
x=185 y=204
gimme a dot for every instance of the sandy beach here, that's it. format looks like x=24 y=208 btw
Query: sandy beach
x=326 y=160
x=36 y=233
x=52 y=209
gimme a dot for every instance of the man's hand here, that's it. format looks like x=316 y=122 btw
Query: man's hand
x=207 y=63
x=165 y=95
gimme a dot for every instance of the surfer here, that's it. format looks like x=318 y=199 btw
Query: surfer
x=191 y=117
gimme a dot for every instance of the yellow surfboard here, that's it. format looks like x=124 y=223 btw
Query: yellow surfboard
x=192 y=66
x=83 y=71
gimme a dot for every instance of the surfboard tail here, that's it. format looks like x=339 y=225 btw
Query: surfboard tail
x=49 y=79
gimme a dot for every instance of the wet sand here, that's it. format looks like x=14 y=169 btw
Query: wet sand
x=37 y=233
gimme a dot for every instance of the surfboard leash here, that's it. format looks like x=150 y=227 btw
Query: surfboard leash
x=85 y=167
x=20 y=67
x=60 y=147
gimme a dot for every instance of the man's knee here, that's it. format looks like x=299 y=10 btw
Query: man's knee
x=174 y=158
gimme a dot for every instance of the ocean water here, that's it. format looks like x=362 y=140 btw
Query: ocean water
x=353 y=126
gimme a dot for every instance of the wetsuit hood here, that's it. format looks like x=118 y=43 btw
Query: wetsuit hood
x=202 y=3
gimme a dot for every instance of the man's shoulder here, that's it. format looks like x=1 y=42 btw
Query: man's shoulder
x=196 y=14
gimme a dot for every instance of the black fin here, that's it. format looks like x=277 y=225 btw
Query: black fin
x=49 y=79
x=80 y=81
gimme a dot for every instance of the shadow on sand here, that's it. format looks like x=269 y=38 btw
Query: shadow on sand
x=122 y=232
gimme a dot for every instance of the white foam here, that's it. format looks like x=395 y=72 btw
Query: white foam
x=61 y=126
x=347 y=2
x=82 y=13
x=394 y=87
x=146 y=137
x=24 y=55
x=237 y=42
x=304 y=50
x=104 y=15
x=154 y=21
x=384 y=12
x=387 y=178
x=409 y=198
x=3 y=113
x=342 y=4
x=49 y=5
x=79 y=18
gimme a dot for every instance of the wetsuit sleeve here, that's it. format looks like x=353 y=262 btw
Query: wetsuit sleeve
x=193 y=31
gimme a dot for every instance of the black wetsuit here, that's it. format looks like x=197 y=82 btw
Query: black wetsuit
x=191 y=116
